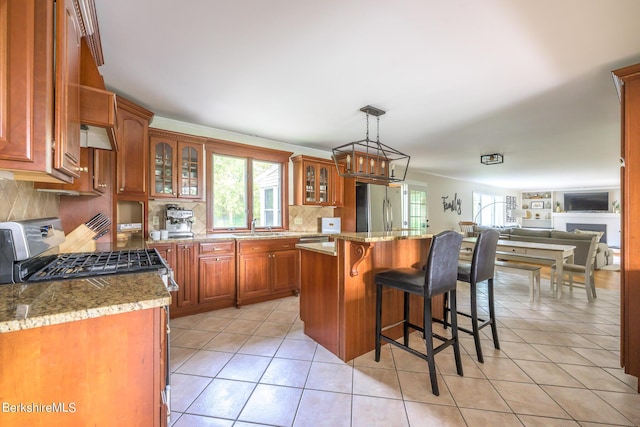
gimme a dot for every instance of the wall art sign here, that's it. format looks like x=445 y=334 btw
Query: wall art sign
x=454 y=205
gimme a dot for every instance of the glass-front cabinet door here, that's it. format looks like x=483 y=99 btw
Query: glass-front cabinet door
x=176 y=169
x=163 y=158
x=323 y=184
x=310 y=183
x=190 y=176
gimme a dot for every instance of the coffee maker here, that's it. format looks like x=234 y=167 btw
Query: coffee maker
x=179 y=222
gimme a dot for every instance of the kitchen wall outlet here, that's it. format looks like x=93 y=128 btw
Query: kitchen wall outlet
x=297 y=220
x=155 y=221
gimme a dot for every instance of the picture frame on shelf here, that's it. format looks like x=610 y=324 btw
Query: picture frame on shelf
x=537 y=205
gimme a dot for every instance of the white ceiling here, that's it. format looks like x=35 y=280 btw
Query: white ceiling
x=458 y=78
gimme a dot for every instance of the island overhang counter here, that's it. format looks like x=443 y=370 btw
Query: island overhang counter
x=337 y=295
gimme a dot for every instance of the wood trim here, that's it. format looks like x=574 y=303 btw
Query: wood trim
x=183 y=137
x=133 y=108
x=91 y=34
x=359 y=251
x=219 y=146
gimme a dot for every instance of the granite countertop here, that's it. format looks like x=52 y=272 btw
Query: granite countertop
x=383 y=236
x=258 y=235
x=32 y=305
x=326 y=248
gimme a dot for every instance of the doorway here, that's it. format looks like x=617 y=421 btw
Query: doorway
x=417 y=209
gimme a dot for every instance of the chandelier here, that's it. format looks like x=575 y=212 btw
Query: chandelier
x=369 y=160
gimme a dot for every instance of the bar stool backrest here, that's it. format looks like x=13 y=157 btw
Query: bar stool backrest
x=442 y=263
x=483 y=261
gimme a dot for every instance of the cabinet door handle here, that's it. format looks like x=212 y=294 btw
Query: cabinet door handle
x=82 y=169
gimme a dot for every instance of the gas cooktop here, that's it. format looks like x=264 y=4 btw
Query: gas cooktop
x=75 y=265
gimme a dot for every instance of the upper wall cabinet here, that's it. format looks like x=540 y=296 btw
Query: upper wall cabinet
x=94 y=175
x=39 y=124
x=176 y=165
x=133 y=155
x=316 y=182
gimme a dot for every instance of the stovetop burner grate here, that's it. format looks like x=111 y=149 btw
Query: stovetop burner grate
x=74 y=265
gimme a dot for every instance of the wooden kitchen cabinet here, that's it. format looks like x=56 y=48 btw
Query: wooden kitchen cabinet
x=181 y=257
x=628 y=82
x=217 y=270
x=94 y=173
x=176 y=165
x=39 y=90
x=101 y=166
x=316 y=182
x=112 y=369
x=133 y=155
x=186 y=274
x=205 y=273
x=67 y=90
x=267 y=269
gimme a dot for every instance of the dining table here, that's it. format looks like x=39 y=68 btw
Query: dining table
x=533 y=253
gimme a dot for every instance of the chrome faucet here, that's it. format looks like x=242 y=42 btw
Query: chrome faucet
x=253 y=226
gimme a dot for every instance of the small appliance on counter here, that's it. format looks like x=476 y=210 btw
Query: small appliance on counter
x=329 y=225
x=179 y=222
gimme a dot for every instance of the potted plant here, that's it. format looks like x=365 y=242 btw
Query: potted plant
x=558 y=208
x=616 y=206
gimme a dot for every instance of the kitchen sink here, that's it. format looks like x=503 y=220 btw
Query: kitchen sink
x=259 y=234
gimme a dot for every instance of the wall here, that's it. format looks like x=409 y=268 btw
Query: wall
x=457 y=193
x=438 y=187
x=20 y=201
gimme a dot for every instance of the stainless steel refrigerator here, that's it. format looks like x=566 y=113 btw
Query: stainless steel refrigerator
x=378 y=207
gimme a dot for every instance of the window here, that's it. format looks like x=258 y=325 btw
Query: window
x=245 y=183
x=230 y=192
x=266 y=192
x=489 y=209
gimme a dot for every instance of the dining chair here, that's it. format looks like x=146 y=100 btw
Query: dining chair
x=481 y=268
x=583 y=268
x=436 y=278
x=467 y=227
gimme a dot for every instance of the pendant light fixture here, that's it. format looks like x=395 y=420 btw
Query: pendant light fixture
x=369 y=160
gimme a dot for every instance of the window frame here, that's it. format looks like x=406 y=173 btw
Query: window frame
x=496 y=205
x=250 y=153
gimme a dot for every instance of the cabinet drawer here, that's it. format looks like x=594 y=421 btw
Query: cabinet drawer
x=217 y=247
x=520 y=251
x=271 y=245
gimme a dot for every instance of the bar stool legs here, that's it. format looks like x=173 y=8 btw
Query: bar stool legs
x=438 y=278
x=427 y=332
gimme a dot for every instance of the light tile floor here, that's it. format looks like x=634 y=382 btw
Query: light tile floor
x=558 y=366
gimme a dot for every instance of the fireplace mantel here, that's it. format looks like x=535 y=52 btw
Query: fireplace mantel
x=610 y=219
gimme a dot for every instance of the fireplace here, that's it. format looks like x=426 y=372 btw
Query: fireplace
x=572 y=226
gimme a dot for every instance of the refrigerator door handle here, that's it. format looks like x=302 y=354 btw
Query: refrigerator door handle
x=390 y=212
x=384 y=215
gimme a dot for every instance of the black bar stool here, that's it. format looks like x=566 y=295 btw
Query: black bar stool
x=481 y=268
x=438 y=277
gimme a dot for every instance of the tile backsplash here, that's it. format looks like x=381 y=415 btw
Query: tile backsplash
x=307 y=216
x=21 y=201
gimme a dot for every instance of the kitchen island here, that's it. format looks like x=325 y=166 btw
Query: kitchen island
x=84 y=351
x=337 y=296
